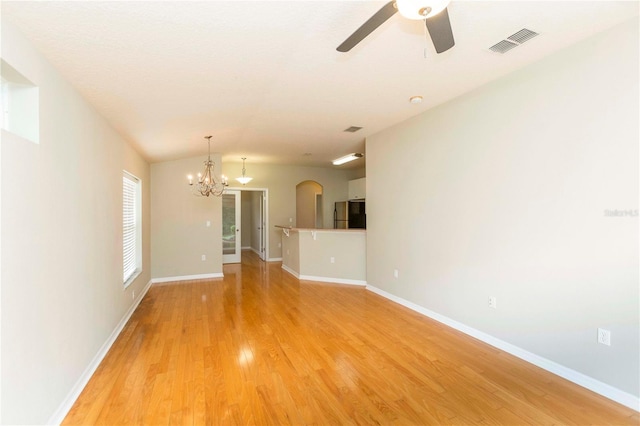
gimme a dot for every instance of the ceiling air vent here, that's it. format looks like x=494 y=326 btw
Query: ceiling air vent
x=514 y=40
x=522 y=36
x=352 y=129
x=503 y=46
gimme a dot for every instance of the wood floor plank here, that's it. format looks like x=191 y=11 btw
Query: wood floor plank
x=261 y=347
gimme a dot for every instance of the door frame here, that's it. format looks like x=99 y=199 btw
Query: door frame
x=265 y=216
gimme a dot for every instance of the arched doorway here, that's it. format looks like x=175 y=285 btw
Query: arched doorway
x=309 y=204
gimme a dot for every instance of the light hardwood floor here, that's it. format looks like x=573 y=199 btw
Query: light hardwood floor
x=260 y=347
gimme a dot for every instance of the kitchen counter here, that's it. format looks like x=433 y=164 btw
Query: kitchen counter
x=328 y=255
x=290 y=228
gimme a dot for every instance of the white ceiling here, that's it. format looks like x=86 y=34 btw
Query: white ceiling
x=264 y=78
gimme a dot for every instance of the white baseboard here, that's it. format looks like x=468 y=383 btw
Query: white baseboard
x=187 y=278
x=291 y=271
x=576 y=377
x=333 y=280
x=62 y=411
x=275 y=259
x=324 y=279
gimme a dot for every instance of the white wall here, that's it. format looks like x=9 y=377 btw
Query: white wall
x=179 y=232
x=309 y=253
x=62 y=290
x=506 y=198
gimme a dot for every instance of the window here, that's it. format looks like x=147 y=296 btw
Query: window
x=20 y=100
x=131 y=227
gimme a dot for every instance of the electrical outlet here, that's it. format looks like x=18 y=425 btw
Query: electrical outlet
x=493 y=302
x=332 y=260
x=204 y=257
x=133 y=295
x=395 y=273
x=604 y=337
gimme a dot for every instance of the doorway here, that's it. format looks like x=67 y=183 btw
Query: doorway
x=246 y=209
x=309 y=204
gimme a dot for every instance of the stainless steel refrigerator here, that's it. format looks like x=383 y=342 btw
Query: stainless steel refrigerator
x=349 y=215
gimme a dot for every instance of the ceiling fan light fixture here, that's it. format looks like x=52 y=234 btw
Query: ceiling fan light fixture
x=421 y=9
x=347 y=158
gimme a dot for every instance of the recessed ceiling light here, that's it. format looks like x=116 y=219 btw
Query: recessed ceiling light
x=347 y=158
x=415 y=99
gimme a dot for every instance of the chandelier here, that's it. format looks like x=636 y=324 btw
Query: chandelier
x=244 y=179
x=207 y=183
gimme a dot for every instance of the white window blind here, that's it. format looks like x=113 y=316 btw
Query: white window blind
x=130 y=225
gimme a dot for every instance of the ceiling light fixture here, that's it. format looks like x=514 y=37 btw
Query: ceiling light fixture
x=207 y=183
x=347 y=158
x=243 y=179
x=415 y=99
x=421 y=9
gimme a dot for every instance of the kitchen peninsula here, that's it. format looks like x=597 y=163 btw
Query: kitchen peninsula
x=328 y=255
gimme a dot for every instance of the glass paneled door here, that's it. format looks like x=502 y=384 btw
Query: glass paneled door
x=231 y=237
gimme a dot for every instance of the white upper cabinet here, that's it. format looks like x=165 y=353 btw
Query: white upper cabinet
x=357 y=189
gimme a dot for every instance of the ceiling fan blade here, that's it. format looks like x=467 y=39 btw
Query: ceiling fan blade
x=440 y=31
x=387 y=11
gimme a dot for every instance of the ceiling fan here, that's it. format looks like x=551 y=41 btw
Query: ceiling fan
x=433 y=12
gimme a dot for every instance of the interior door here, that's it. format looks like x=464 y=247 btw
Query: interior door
x=231 y=236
